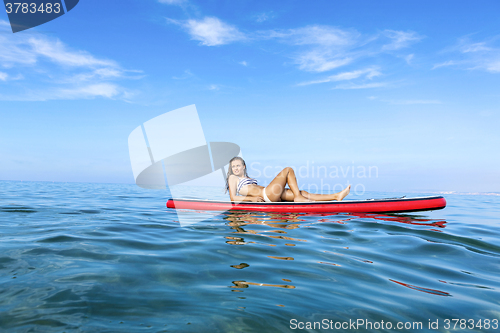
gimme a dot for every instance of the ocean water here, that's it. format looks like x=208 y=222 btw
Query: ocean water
x=112 y=258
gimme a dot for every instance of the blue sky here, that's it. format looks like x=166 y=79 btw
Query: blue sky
x=410 y=87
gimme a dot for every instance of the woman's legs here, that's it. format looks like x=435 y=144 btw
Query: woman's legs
x=276 y=188
x=288 y=195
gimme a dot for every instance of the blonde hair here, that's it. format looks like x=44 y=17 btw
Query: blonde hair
x=230 y=170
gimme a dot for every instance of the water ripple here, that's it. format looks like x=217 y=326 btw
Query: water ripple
x=112 y=258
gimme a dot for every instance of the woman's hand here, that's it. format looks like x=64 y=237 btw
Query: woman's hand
x=257 y=199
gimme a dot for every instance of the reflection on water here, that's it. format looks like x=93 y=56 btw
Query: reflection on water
x=422 y=289
x=278 y=226
x=244 y=284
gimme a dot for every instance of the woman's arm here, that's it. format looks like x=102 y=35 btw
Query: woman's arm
x=233 y=184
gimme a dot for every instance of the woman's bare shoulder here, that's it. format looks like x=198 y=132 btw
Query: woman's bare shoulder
x=233 y=177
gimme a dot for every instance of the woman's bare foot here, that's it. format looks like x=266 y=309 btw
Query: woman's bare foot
x=342 y=194
x=301 y=198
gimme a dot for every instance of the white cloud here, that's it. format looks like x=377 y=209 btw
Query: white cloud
x=15 y=51
x=52 y=70
x=324 y=48
x=319 y=48
x=474 y=47
x=400 y=39
x=322 y=36
x=244 y=63
x=445 y=64
x=211 y=31
x=493 y=66
x=325 y=45
x=474 y=55
x=369 y=73
x=489 y=63
x=104 y=90
x=3 y=76
x=320 y=61
x=23 y=50
x=409 y=58
x=107 y=90
x=187 y=75
x=264 y=17
x=213 y=87
x=57 y=52
x=93 y=75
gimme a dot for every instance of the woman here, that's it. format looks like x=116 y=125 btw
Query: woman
x=243 y=188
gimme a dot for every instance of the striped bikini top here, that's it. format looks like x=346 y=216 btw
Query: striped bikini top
x=243 y=182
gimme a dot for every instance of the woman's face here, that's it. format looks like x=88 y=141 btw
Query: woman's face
x=237 y=167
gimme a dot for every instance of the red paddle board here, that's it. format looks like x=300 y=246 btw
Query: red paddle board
x=389 y=205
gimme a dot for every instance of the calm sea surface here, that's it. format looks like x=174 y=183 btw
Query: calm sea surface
x=112 y=258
